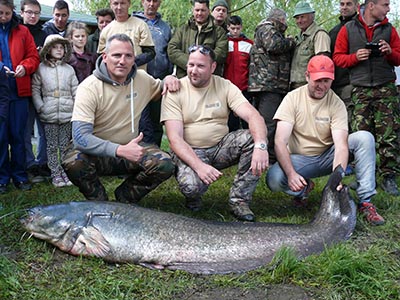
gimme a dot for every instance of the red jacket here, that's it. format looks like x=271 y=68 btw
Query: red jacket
x=344 y=59
x=23 y=52
x=236 y=67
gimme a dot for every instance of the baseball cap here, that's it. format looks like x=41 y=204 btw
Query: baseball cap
x=321 y=66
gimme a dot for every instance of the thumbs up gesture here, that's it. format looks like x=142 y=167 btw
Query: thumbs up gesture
x=132 y=151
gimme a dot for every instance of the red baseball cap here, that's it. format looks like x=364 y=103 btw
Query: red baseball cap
x=321 y=66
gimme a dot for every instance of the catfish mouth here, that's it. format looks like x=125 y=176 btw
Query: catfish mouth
x=29 y=218
x=42 y=226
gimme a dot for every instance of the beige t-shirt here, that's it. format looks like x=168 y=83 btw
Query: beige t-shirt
x=313 y=120
x=134 y=27
x=203 y=111
x=108 y=107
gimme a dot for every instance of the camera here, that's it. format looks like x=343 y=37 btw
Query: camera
x=375 y=52
x=10 y=73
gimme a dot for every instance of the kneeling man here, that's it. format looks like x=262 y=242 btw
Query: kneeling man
x=105 y=125
x=312 y=139
x=196 y=124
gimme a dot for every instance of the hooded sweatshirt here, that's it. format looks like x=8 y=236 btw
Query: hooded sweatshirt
x=54 y=84
x=106 y=113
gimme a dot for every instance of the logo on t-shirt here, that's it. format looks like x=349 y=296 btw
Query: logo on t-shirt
x=213 y=105
x=323 y=119
x=128 y=97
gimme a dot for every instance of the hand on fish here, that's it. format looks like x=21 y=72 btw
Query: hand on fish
x=297 y=183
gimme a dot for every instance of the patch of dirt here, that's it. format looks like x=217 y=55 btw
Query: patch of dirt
x=272 y=292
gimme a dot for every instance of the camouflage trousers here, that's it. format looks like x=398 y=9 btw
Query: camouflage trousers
x=235 y=148
x=376 y=109
x=142 y=177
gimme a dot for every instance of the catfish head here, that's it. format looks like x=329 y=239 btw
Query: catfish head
x=54 y=224
x=66 y=226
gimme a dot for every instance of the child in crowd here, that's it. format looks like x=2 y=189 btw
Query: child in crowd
x=81 y=59
x=237 y=64
x=53 y=91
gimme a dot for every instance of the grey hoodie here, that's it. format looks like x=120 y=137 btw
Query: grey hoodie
x=82 y=132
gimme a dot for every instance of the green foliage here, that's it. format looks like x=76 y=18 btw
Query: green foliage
x=176 y=12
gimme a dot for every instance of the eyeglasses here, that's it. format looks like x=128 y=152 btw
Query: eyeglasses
x=203 y=49
x=31 y=13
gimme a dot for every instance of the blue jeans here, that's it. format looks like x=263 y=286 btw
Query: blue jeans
x=361 y=146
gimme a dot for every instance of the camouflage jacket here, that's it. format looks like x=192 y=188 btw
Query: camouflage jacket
x=270 y=56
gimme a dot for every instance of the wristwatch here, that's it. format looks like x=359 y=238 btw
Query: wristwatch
x=262 y=146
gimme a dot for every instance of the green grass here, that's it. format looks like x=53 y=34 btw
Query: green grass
x=365 y=267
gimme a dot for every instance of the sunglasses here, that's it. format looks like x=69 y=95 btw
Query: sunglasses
x=205 y=50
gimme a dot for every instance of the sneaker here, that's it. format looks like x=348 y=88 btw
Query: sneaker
x=301 y=201
x=58 y=181
x=66 y=179
x=3 y=188
x=370 y=214
x=242 y=212
x=389 y=185
x=23 y=186
x=194 y=204
x=34 y=174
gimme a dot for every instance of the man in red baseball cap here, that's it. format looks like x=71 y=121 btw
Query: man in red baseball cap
x=312 y=139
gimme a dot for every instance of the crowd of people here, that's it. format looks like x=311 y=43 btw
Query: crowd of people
x=294 y=107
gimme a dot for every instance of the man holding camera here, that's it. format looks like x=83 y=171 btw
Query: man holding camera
x=371 y=54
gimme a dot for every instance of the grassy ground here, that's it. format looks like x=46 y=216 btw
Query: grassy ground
x=365 y=267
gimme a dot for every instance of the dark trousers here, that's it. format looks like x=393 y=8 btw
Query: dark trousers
x=12 y=133
x=267 y=104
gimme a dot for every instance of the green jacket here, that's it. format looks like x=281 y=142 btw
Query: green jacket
x=209 y=34
x=308 y=45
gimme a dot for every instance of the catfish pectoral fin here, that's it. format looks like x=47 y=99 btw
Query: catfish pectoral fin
x=91 y=242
